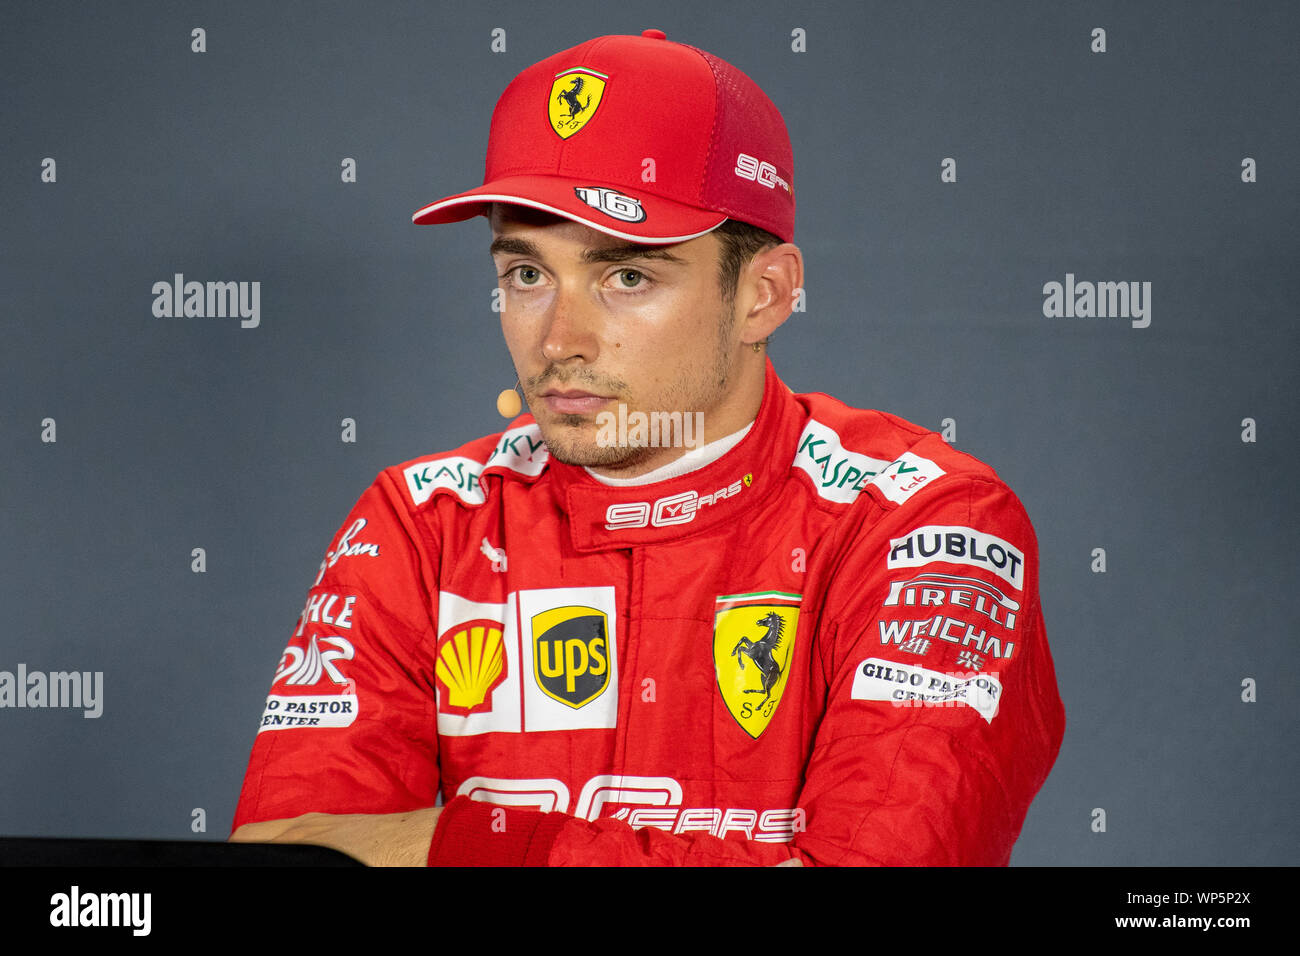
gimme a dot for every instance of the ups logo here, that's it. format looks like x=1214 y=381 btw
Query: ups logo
x=571 y=654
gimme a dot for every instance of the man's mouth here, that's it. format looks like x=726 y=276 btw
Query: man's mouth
x=573 y=401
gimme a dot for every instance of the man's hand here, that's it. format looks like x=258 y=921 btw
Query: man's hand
x=375 y=839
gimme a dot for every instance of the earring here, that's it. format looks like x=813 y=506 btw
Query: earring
x=509 y=402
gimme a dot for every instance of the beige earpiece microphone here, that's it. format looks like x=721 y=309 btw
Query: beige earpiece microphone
x=509 y=403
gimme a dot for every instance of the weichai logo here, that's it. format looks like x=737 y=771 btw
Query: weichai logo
x=571 y=654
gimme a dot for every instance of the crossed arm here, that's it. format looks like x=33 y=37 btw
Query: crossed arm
x=375 y=839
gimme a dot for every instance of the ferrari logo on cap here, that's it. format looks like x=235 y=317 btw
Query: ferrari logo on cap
x=575 y=95
x=753 y=640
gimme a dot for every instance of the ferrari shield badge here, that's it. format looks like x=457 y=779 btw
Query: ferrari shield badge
x=575 y=96
x=753 y=637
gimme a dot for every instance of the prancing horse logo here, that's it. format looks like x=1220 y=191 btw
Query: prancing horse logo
x=761 y=626
x=570 y=98
x=760 y=652
x=575 y=97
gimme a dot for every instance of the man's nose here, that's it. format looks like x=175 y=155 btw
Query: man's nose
x=572 y=325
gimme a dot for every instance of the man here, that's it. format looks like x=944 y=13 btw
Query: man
x=813 y=636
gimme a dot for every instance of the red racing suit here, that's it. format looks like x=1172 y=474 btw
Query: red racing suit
x=827 y=644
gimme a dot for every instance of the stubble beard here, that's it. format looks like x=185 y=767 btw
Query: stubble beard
x=571 y=439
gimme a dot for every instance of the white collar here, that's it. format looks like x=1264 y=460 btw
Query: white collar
x=694 y=459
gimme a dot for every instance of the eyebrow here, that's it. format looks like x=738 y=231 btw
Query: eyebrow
x=505 y=245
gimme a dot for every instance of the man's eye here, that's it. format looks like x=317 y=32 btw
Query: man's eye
x=630 y=278
x=527 y=275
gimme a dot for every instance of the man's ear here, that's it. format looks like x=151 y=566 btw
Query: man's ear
x=772 y=280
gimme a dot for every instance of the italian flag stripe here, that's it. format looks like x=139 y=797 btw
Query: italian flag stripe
x=768 y=597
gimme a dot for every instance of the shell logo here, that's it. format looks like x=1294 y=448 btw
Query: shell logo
x=471 y=662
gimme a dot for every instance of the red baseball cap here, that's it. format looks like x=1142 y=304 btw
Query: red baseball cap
x=642 y=138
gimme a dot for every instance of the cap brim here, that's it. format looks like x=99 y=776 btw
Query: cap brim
x=663 y=221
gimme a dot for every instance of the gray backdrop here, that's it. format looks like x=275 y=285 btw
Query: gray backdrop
x=925 y=298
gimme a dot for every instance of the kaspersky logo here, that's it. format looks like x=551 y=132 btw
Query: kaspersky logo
x=571 y=654
x=575 y=97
